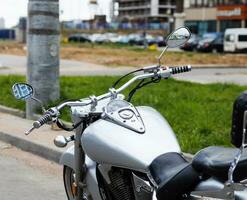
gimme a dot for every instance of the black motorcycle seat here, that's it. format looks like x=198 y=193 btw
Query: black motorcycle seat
x=215 y=161
x=173 y=175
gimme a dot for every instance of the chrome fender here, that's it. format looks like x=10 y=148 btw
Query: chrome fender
x=67 y=158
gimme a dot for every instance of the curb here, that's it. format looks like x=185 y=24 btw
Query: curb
x=22 y=114
x=31 y=147
x=12 y=111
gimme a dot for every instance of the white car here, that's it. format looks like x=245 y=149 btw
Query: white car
x=235 y=40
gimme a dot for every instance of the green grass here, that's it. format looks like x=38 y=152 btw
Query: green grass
x=199 y=114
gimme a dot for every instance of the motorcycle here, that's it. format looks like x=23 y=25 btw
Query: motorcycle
x=127 y=152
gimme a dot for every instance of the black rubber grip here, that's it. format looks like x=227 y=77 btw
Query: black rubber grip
x=41 y=121
x=178 y=70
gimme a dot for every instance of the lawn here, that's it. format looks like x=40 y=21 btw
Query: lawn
x=199 y=114
x=124 y=55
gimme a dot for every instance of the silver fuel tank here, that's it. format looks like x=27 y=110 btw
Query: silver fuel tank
x=109 y=143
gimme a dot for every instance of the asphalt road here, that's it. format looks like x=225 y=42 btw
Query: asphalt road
x=10 y=64
x=27 y=177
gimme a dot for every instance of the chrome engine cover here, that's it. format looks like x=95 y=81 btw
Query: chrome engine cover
x=107 y=142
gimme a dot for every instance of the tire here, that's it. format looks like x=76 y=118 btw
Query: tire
x=68 y=178
x=214 y=50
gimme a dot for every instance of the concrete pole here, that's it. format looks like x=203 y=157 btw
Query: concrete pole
x=43 y=42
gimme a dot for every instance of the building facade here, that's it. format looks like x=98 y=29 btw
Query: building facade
x=2 y=23
x=146 y=11
x=215 y=15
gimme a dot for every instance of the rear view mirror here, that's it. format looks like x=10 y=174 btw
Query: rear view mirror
x=22 y=91
x=178 y=37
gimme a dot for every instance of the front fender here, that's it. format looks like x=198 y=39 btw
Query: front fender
x=67 y=159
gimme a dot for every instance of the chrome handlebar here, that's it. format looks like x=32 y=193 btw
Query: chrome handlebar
x=149 y=72
x=163 y=72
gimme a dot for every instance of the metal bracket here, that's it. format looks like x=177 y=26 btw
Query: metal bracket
x=94 y=102
x=151 y=69
x=143 y=190
x=104 y=169
x=227 y=193
x=113 y=92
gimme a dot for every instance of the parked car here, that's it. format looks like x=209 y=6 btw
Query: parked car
x=79 y=38
x=235 y=40
x=112 y=37
x=191 y=45
x=160 y=41
x=123 y=39
x=211 y=42
x=98 y=38
x=136 y=39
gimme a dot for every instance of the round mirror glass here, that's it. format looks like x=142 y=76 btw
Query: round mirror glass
x=178 y=37
x=22 y=91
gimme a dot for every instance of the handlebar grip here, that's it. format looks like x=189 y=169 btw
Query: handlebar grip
x=178 y=70
x=41 y=121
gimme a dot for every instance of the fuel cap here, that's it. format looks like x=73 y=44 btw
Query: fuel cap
x=126 y=114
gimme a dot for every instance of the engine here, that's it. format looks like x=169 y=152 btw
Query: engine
x=120 y=187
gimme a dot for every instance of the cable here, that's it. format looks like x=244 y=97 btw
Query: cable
x=140 y=85
x=133 y=91
x=121 y=78
x=61 y=125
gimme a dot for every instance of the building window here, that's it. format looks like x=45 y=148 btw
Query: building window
x=193 y=3
x=199 y=3
x=224 y=24
x=212 y=3
x=201 y=27
x=231 y=2
x=205 y=3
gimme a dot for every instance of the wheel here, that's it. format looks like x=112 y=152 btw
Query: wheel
x=214 y=50
x=69 y=182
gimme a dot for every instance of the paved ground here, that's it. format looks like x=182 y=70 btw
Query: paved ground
x=10 y=64
x=28 y=177
x=17 y=65
x=39 y=142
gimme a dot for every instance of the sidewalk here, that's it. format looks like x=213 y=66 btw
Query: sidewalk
x=39 y=142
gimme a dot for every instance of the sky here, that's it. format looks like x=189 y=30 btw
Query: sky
x=11 y=10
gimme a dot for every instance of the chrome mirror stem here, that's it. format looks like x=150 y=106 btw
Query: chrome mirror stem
x=161 y=55
x=40 y=102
